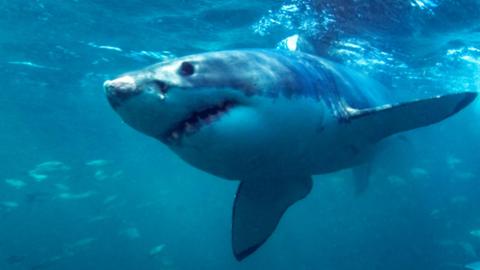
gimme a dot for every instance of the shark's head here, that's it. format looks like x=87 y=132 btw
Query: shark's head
x=205 y=104
x=174 y=101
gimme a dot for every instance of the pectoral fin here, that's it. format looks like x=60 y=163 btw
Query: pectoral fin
x=259 y=205
x=393 y=118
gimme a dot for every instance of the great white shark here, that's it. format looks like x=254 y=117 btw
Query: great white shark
x=270 y=119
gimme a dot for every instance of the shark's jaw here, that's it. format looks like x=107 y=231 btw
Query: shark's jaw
x=196 y=120
x=178 y=115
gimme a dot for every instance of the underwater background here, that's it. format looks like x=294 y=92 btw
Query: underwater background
x=81 y=190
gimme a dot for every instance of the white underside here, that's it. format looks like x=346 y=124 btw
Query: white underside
x=275 y=136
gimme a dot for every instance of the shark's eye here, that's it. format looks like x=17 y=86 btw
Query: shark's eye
x=186 y=69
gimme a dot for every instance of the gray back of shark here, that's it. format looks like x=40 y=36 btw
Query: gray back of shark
x=270 y=119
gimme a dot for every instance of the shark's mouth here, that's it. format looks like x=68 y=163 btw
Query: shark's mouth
x=197 y=120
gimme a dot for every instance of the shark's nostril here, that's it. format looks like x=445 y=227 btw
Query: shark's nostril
x=108 y=87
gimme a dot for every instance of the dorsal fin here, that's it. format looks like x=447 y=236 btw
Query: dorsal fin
x=296 y=43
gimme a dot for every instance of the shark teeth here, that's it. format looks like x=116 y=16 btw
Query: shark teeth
x=197 y=120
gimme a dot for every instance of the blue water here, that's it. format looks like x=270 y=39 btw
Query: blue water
x=81 y=190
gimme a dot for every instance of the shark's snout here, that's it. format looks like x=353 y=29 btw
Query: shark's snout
x=120 y=89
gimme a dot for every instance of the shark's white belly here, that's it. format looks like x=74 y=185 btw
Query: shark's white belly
x=282 y=136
